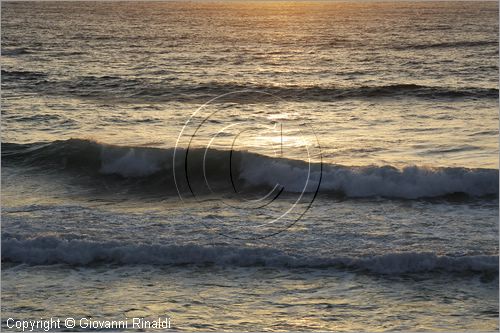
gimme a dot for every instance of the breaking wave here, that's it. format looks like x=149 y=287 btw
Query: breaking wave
x=48 y=250
x=145 y=166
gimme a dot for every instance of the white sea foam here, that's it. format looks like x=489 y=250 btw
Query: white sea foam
x=409 y=182
x=54 y=250
x=133 y=163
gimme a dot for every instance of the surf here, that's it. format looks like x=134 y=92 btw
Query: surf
x=50 y=250
x=145 y=165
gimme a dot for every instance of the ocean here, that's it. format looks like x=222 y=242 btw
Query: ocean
x=251 y=166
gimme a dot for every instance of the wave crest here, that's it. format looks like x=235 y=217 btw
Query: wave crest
x=154 y=166
x=52 y=250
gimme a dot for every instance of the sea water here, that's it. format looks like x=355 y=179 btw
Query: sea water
x=251 y=166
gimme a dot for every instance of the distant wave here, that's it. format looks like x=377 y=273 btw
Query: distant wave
x=16 y=76
x=456 y=44
x=15 y=51
x=117 y=87
x=152 y=167
x=48 y=250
